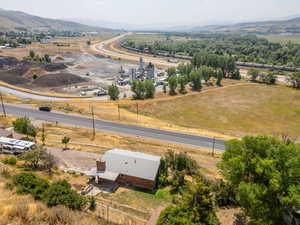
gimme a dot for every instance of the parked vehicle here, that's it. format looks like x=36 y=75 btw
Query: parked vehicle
x=45 y=108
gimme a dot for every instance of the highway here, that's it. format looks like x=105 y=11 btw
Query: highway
x=119 y=54
x=131 y=130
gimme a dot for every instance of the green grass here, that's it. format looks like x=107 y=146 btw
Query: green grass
x=283 y=39
x=151 y=37
x=240 y=110
x=142 y=199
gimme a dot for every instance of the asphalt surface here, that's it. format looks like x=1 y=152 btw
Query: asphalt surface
x=131 y=130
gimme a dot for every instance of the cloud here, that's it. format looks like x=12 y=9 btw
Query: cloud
x=100 y=2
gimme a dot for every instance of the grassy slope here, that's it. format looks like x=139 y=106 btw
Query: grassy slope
x=239 y=110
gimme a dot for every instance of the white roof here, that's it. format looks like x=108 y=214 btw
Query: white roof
x=16 y=143
x=107 y=175
x=130 y=163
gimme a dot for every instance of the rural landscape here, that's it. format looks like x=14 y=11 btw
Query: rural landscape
x=129 y=114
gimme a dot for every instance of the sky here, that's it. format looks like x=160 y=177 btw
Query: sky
x=173 y=12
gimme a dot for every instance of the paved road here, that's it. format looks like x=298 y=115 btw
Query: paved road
x=131 y=130
x=116 y=53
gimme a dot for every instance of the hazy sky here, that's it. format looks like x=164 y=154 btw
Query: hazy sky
x=158 y=11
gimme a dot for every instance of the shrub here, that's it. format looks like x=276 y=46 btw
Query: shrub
x=29 y=183
x=60 y=193
x=10 y=161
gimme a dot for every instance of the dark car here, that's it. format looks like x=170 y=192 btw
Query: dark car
x=45 y=108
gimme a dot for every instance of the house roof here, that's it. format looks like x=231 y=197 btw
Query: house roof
x=130 y=163
x=107 y=175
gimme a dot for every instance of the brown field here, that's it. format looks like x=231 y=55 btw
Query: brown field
x=75 y=46
x=236 y=110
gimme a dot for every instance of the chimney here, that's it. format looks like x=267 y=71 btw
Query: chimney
x=101 y=165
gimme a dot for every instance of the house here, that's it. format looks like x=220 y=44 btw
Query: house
x=127 y=168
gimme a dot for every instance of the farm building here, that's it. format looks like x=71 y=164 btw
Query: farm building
x=127 y=168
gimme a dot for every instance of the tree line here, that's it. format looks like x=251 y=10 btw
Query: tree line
x=244 y=48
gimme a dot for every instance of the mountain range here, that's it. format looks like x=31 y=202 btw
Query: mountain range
x=290 y=26
x=20 y=21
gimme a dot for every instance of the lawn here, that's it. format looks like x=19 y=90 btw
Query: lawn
x=141 y=199
x=236 y=110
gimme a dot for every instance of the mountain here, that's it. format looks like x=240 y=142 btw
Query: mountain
x=16 y=21
x=290 y=26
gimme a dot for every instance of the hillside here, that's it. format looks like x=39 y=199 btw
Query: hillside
x=291 y=26
x=20 y=21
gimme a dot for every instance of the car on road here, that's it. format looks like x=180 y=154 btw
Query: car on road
x=45 y=108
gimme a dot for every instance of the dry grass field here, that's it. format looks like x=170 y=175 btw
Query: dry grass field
x=236 y=110
x=73 y=45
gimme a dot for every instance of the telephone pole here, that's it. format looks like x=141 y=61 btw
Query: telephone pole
x=137 y=112
x=94 y=132
x=119 y=112
x=213 y=149
x=3 y=108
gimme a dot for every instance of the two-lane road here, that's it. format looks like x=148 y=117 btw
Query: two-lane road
x=131 y=130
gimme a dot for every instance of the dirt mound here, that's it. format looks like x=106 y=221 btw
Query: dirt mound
x=11 y=78
x=58 y=58
x=7 y=61
x=58 y=79
x=34 y=71
x=54 y=67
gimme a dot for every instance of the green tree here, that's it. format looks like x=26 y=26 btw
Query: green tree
x=195 y=207
x=65 y=141
x=23 y=125
x=43 y=135
x=47 y=58
x=34 y=157
x=113 y=92
x=172 y=81
x=31 y=54
x=253 y=74
x=60 y=193
x=219 y=76
x=196 y=79
x=171 y=72
x=264 y=172
x=149 y=89
x=138 y=88
x=182 y=80
x=269 y=78
x=294 y=79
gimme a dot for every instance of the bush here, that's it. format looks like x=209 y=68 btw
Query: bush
x=224 y=194
x=113 y=92
x=24 y=126
x=29 y=183
x=10 y=161
x=60 y=193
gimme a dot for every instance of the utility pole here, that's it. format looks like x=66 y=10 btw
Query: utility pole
x=213 y=149
x=3 y=108
x=137 y=112
x=94 y=132
x=119 y=112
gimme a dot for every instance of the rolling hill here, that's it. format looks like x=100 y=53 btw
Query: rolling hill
x=291 y=26
x=20 y=21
